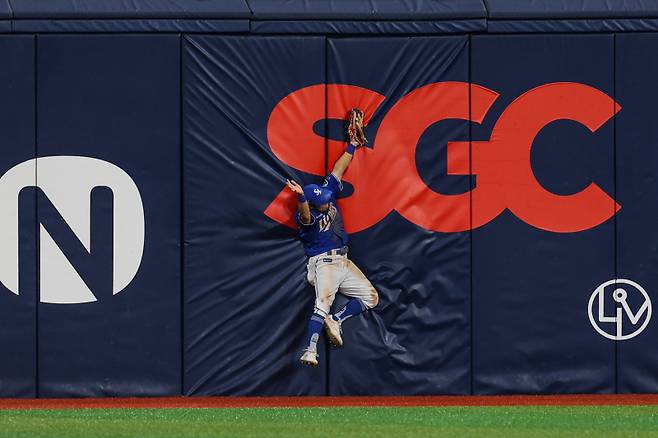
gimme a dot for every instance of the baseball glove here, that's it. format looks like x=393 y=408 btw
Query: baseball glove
x=355 y=129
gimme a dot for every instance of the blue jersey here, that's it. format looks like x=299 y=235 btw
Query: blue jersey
x=325 y=232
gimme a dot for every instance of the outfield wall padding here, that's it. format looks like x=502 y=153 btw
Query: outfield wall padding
x=18 y=301
x=118 y=97
x=637 y=163
x=119 y=9
x=530 y=285
x=246 y=301
x=510 y=172
x=417 y=272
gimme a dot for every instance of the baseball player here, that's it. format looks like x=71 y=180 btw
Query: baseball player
x=325 y=242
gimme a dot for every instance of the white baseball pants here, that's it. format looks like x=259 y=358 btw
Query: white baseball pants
x=337 y=273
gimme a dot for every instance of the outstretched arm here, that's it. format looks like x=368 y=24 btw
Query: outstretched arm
x=304 y=209
x=357 y=138
x=344 y=161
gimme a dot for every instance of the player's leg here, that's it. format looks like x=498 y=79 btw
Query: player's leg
x=327 y=278
x=362 y=294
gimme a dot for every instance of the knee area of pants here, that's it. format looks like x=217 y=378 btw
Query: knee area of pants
x=373 y=299
x=323 y=304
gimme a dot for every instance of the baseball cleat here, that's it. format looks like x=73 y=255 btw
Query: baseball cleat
x=309 y=357
x=334 y=331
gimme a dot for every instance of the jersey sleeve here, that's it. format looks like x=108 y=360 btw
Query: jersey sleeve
x=298 y=218
x=332 y=183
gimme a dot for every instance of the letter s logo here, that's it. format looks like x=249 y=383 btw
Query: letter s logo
x=386 y=177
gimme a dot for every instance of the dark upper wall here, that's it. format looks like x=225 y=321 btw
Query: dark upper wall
x=362 y=10
x=328 y=16
x=118 y=9
x=578 y=9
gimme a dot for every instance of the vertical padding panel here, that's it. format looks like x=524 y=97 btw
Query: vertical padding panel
x=17 y=219
x=637 y=193
x=536 y=263
x=109 y=170
x=407 y=216
x=246 y=298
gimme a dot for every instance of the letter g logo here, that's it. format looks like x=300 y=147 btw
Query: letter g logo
x=386 y=178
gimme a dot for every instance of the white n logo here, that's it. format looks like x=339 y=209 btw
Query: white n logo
x=68 y=182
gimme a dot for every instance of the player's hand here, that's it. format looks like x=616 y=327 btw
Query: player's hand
x=355 y=130
x=296 y=188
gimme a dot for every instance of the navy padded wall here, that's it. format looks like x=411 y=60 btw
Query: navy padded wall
x=371 y=10
x=70 y=16
x=531 y=333
x=208 y=127
x=567 y=16
x=5 y=16
x=637 y=193
x=573 y=25
x=129 y=26
x=416 y=341
x=584 y=9
x=367 y=27
x=18 y=311
x=62 y=9
x=247 y=302
x=114 y=98
x=355 y=16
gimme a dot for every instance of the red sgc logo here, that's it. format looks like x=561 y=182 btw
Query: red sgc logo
x=385 y=178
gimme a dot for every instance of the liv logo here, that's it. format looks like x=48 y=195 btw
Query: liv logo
x=67 y=183
x=619 y=309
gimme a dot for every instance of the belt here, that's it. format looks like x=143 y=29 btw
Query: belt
x=339 y=251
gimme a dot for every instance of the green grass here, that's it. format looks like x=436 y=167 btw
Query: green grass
x=454 y=422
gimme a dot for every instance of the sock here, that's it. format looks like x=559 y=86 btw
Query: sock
x=353 y=307
x=314 y=328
